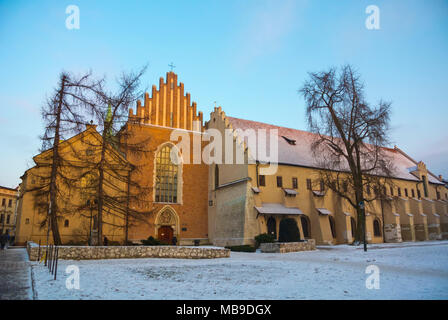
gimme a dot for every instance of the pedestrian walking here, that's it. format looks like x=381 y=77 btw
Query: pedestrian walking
x=2 y=241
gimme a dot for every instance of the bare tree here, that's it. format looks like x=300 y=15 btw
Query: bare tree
x=115 y=191
x=63 y=116
x=350 y=138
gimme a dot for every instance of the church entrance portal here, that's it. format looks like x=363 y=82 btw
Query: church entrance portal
x=165 y=234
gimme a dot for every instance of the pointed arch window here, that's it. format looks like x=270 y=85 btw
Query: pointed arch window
x=166 y=179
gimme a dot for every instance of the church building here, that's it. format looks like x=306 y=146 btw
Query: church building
x=230 y=203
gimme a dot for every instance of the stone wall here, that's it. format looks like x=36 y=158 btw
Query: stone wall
x=127 y=252
x=392 y=232
x=284 y=247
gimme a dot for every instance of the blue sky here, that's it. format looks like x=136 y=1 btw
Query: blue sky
x=250 y=56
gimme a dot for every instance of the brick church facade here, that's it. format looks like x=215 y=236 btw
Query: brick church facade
x=230 y=204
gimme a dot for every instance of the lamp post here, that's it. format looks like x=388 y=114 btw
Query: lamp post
x=362 y=207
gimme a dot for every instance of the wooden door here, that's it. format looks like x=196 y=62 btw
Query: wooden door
x=165 y=234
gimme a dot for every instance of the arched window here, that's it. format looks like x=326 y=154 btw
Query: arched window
x=166 y=177
x=376 y=228
x=216 y=176
x=305 y=227
x=332 y=226
x=272 y=227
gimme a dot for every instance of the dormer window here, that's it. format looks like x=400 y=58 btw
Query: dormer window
x=290 y=141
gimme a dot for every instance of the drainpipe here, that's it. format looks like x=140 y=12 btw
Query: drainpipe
x=384 y=221
x=256 y=170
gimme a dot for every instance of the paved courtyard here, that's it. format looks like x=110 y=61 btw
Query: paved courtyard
x=15 y=275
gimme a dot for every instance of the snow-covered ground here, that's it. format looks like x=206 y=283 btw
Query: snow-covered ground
x=407 y=271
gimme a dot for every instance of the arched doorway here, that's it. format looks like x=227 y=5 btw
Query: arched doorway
x=288 y=230
x=167 y=223
x=306 y=227
x=332 y=226
x=272 y=227
x=353 y=226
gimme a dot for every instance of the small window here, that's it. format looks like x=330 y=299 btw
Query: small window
x=262 y=180
x=368 y=189
x=345 y=186
x=2 y=217
x=294 y=183
x=322 y=186
x=66 y=223
x=399 y=192
x=406 y=192
x=333 y=185
x=413 y=193
x=27 y=221
x=376 y=228
x=8 y=219
x=391 y=191
x=418 y=193
x=279 y=182
x=308 y=184
x=10 y=203
x=375 y=190
x=438 y=195
x=3 y=202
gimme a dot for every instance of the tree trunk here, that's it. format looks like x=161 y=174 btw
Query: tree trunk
x=126 y=234
x=53 y=209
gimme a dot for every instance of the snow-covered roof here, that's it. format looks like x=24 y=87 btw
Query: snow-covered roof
x=277 y=208
x=323 y=211
x=300 y=153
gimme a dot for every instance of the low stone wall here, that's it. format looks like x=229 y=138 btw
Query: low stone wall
x=127 y=252
x=284 y=247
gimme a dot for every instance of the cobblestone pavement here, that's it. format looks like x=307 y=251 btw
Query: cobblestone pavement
x=15 y=275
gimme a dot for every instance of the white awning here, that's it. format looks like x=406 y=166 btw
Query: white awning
x=324 y=211
x=290 y=192
x=276 y=208
x=319 y=193
x=255 y=190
